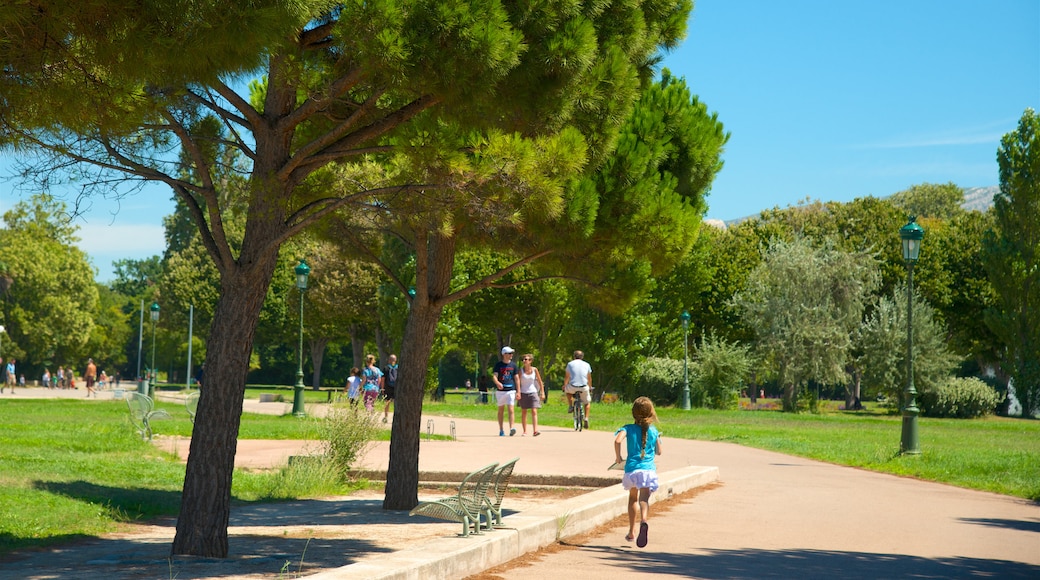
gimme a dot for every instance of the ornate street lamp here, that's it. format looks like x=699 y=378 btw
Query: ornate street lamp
x=155 y=319
x=685 y=317
x=302 y=272
x=911 y=234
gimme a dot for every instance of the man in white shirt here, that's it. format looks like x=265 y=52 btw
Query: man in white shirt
x=578 y=380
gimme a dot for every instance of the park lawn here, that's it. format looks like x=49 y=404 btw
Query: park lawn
x=77 y=468
x=994 y=454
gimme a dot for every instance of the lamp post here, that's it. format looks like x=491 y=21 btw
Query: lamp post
x=685 y=317
x=1 y=342
x=302 y=272
x=140 y=341
x=155 y=319
x=911 y=234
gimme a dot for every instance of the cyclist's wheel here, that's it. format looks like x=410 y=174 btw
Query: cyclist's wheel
x=579 y=414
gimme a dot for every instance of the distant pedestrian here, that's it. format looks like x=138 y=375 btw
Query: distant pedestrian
x=643 y=445
x=12 y=376
x=354 y=382
x=389 y=384
x=59 y=378
x=504 y=377
x=199 y=374
x=373 y=382
x=532 y=393
x=90 y=377
x=102 y=380
x=46 y=378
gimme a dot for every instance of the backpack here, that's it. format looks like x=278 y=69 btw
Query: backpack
x=390 y=373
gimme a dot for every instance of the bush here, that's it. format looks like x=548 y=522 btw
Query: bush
x=721 y=369
x=661 y=379
x=961 y=398
x=347 y=431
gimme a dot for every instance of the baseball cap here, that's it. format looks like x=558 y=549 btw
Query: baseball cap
x=507 y=350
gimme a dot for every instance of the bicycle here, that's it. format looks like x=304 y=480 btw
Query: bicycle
x=579 y=410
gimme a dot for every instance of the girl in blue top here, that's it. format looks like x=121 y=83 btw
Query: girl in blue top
x=643 y=444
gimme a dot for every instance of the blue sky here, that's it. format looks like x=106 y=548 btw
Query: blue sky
x=834 y=100
x=825 y=99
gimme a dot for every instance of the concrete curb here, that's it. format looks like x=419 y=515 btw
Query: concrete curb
x=452 y=478
x=458 y=557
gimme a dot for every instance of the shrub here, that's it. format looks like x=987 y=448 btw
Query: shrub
x=962 y=398
x=661 y=379
x=347 y=431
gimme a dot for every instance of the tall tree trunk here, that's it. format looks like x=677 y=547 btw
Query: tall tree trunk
x=402 y=476
x=318 y=346
x=790 y=404
x=435 y=258
x=383 y=348
x=357 y=344
x=206 y=497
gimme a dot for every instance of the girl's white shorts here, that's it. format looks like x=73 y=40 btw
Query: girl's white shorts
x=641 y=478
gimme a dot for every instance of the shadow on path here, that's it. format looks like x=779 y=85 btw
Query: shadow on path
x=756 y=564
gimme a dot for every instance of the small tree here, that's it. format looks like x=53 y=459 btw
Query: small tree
x=882 y=344
x=803 y=304
x=722 y=368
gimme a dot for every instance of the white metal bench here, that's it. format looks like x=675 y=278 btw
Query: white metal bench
x=467 y=506
x=142 y=411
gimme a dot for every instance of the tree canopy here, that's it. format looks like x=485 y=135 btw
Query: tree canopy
x=490 y=106
x=50 y=307
x=1012 y=257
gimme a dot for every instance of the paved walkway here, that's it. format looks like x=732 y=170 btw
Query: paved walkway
x=770 y=516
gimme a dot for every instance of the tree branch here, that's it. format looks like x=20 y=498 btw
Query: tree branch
x=490 y=280
x=346 y=145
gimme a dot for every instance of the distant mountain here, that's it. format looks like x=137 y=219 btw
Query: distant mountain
x=975 y=199
x=979 y=198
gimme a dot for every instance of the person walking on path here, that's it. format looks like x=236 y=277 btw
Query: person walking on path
x=578 y=381
x=9 y=380
x=389 y=384
x=90 y=376
x=504 y=376
x=354 y=382
x=532 y=393
x=373 y=382
x=643 y=444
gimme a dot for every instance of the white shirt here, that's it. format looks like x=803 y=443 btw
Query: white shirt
x=579 y=371
x=528 y=382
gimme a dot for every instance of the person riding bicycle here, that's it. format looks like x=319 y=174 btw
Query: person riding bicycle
x=578 y=381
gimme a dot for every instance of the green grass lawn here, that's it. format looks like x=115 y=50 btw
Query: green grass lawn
x=76 y=468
